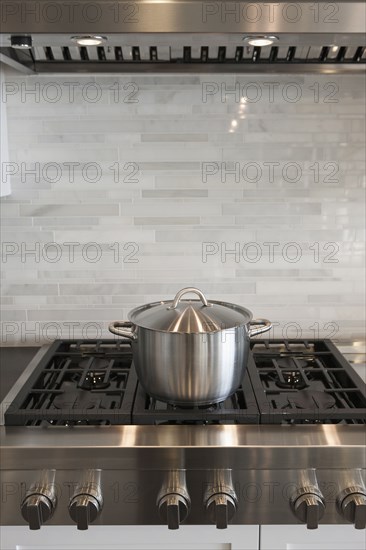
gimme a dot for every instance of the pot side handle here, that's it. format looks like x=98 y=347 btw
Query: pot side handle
x=117 y=328
x=263 y=325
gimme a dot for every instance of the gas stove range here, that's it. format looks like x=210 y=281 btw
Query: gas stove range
x=78 y=427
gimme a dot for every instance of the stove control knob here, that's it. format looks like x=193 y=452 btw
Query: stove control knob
x=173 y=510
x=36 y=510
x=40 y=501
x=84 y=509
x=221 y=508
x=220 y=498
x=173 y=499
x=351 y=504
x=308 y=505
x=87 y=501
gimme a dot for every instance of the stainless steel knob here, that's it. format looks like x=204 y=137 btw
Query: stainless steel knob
x=173 y=510
x=87 y=501
x=221 y=508
x=36 y=510
x=40 y=501
x=308 y=506
x=351 y=504
x=173 y=499
x=220 y=498
x=84 y=509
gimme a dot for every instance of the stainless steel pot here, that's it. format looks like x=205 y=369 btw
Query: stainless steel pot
x=190 y=352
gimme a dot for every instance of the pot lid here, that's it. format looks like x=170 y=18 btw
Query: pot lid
x=190 y=316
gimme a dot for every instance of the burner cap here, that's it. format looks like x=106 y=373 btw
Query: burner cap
x=292 y=379
x=94 y=381
x=307 y=399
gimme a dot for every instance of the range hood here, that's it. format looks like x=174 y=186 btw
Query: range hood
x=183 y=36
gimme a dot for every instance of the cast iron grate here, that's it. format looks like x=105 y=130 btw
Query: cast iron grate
x=86 y=382
x=305 y=382
x=240 y=408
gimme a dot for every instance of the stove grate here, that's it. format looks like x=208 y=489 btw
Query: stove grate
x=240 y=408
x=78 y=383
x=305 y=381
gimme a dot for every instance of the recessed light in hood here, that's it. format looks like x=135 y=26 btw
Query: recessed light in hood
x=21 y=41
x=265 y=40
x=89 y=40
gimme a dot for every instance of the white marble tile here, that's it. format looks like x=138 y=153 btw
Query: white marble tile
x=23 y=289
x=170 y=208
x=70 y=210
x=13 y=314
x=105 y=237
x=15 y=222
x=174 y=193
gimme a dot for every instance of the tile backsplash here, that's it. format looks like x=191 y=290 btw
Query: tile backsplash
x=127 y=188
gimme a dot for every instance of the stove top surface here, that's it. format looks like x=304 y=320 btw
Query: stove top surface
x=90 y=382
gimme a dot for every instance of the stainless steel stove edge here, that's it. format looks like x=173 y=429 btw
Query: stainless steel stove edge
x=185 y=446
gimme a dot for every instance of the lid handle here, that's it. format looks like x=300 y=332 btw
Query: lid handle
x=181 y=293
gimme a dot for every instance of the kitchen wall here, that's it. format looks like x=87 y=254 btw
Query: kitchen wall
x=127 y=188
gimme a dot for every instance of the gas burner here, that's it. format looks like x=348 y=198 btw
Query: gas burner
x=94 y=381
x=292 y=379
x=308 y=399
x=94 y=363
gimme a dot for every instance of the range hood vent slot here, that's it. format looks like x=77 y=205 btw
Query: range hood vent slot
x=241 y=55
